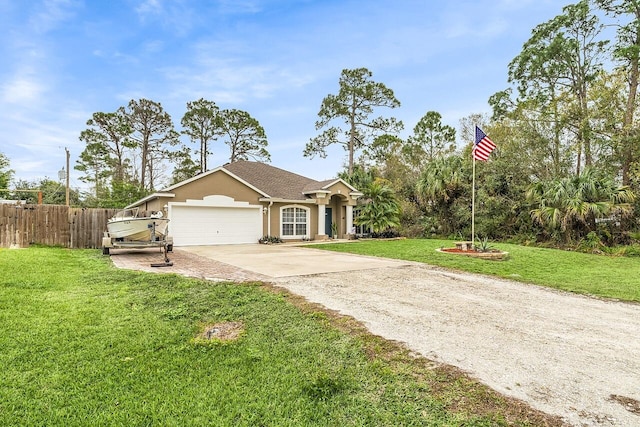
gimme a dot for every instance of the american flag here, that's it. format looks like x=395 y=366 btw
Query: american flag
x=483 y=146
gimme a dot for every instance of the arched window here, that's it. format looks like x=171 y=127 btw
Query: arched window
x=294 y=222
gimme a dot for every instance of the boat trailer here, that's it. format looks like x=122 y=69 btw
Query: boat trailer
x=165 y=245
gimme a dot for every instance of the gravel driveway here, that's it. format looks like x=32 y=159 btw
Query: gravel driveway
x=568 y=355
x=564 y=354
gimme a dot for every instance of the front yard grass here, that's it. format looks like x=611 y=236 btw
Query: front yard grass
x=84 y=343
x=598 y=275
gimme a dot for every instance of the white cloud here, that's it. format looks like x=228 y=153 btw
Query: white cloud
x=176 y=16
x=153 y=46
x=231 y=80
x=239 y=6
x=50 y=13
x=469 y=25
x=149 y=7
x=23 y=90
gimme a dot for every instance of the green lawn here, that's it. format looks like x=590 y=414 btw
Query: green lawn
x=599 y=275
x=84 y=343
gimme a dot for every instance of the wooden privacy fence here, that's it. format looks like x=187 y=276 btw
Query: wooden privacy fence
x=52 y=225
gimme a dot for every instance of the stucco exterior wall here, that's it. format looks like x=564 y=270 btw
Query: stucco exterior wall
x=337 y=197
x=312 y=222
x=217 y=183
x=340 y=189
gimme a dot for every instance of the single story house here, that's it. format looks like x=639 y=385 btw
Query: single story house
x=243 y=201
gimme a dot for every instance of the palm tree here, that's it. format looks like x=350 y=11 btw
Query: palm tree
x=382 y=210
x=441 y=183
x=572 y=205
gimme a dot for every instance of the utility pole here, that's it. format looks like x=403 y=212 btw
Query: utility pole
x=67 y=193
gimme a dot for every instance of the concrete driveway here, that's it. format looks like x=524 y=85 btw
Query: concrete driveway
x=251 y=262
x=277 y=261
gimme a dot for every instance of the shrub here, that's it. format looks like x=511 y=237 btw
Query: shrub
x=483 y=245
x=270 y=239
x=387 y=234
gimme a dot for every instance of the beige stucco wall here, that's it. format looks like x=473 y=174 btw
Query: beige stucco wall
x=220 y=183
x=276 y=212
x=340 y=189
x=154 y=205
x=338 y=212
x=217 y=183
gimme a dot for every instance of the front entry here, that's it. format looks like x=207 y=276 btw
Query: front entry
x=328 y=220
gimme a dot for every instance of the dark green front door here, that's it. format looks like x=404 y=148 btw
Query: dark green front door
x=328 y=217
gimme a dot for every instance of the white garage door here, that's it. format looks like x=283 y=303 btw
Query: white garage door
x=215 y=220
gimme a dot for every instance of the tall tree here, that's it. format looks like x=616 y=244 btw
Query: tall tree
x=107 y=141
x=185 y=167
x=153 y=132
x=563 y=55
x=430 y=139
x=533 y=130
x=441 y=183
x=627 y=52
x=97 y=166
x=244 y=136
x=467 y=129
x=202 y=124
x=607 y=99
x=381 y=148
x=5 y=174
x=356 y=100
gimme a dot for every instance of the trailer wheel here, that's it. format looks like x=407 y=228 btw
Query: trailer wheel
x=105 y=251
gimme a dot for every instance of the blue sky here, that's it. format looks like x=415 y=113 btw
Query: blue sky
x=63 y=60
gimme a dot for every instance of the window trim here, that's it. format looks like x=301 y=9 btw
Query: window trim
x=307 y=222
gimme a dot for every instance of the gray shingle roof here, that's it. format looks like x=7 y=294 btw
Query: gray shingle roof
x=277 y=183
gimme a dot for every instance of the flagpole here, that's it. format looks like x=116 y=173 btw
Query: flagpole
x=482 y=147
x=473 y=205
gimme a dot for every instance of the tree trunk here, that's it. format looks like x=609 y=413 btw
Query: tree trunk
x=627 y=152
x=352 y=135
x=579 y=160
x=203 y=156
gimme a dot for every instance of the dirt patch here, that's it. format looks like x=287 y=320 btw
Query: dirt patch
x=221 y=332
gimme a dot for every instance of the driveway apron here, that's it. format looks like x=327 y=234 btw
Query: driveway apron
x=278 y=261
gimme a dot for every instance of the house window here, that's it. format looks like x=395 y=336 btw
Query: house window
x=360 y=230
x=294 y=222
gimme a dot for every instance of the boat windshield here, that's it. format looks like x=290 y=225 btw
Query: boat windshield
x=126 y=213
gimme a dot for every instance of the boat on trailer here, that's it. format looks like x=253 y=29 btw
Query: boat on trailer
x=129 y=229
x=129 y=225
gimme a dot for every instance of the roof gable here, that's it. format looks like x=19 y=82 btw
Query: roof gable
x=212 y=171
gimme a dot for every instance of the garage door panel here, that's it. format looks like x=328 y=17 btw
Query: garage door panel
x=197 y=225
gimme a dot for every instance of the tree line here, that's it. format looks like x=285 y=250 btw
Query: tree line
x=567 y=166
x=127 y=151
